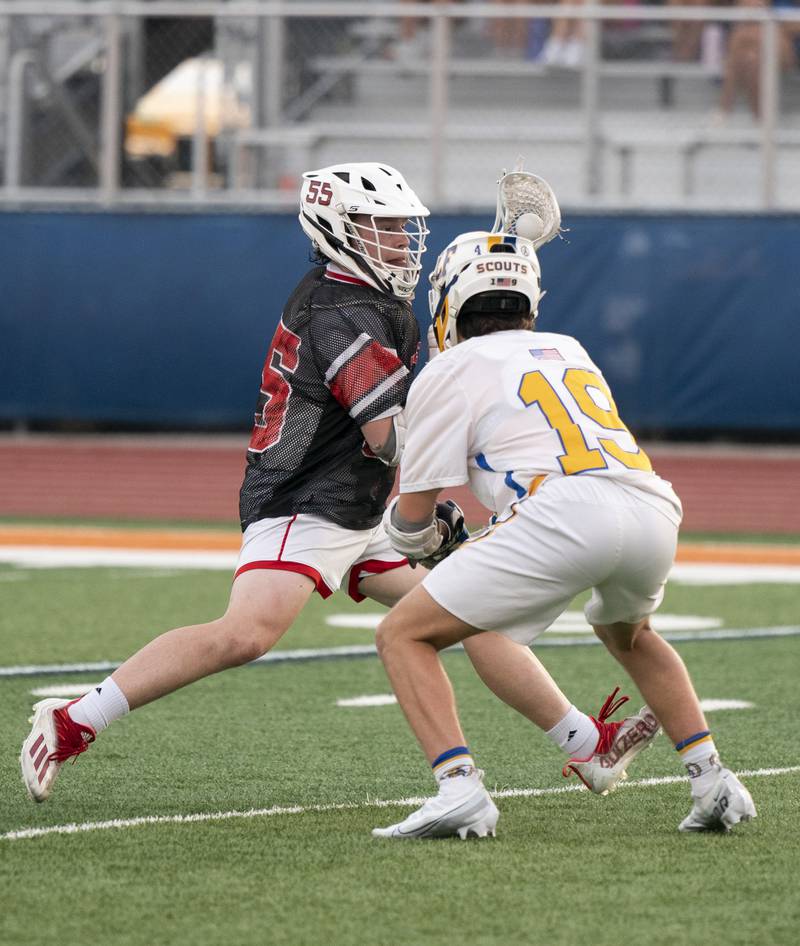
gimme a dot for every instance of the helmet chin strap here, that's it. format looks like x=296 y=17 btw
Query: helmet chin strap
x=442 y=315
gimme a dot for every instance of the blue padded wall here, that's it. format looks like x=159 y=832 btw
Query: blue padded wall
x=157 y=319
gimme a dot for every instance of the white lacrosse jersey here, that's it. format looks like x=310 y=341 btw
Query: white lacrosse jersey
x=502 y=410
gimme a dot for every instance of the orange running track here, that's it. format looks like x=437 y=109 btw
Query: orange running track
x=228 y=539
x=723 y=489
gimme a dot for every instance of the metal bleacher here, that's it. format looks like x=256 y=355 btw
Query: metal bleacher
x=55 y=62
x=656 y=145
x=631 y=128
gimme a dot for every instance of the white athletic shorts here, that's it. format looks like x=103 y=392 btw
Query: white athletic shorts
x=574 y=533
x=329 y=554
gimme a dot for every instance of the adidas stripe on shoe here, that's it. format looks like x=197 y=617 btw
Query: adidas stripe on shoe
x=54 y=738
x=618 y=745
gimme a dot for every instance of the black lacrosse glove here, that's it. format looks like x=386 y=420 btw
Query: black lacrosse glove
x=450 y=521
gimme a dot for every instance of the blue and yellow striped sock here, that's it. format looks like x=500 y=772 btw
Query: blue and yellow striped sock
x=447 y=764
x=699 y=754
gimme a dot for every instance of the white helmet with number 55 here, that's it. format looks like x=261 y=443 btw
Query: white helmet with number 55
x=366 y=218
x=501 y=268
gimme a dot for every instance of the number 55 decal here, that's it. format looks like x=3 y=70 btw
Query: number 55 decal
x=319 y=193
x=578 y=457
x=275 y=389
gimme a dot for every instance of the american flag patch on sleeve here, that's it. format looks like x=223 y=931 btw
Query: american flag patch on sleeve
x=548 y=354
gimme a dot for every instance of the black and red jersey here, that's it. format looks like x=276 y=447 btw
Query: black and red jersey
x=342 y=355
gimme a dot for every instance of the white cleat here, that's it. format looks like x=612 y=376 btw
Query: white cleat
x=617 y=747
x=726 y=804
x=462 y=808
x=54 y=738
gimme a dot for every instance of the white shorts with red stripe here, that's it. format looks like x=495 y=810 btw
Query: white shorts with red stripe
x=332 y=556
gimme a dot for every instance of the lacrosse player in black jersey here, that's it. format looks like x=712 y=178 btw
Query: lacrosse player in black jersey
x=321 y=463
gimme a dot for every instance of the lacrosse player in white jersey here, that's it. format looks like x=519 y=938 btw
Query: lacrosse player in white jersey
x=528 y=421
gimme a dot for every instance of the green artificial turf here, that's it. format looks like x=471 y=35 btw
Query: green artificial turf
x=566 y=867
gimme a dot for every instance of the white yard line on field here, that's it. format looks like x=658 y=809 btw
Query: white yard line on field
x=374 y=699
x=37 y=557
x=368 y=650
x=65 y=690
x=570 y=622
x=275 y=656
x=389 y=699
x=23 y=834
x=712 y=706
x=24 y=556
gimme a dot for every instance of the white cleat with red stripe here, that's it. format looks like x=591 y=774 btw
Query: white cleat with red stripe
x=54 y=738
x=617 y=746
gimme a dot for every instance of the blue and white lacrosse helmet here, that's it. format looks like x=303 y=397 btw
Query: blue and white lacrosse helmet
x=478 y=262
x=329 y=200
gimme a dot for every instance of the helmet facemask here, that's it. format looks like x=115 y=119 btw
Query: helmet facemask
x=390 y=248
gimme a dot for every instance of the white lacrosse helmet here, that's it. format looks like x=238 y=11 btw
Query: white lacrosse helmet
x=331 y=197
x=479 y=262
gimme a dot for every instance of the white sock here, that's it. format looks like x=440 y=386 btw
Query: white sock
x=455 y=761
x=699 y=754
x=101 y=706
x=576 y=734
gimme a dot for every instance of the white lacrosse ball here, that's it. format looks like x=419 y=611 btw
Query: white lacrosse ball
x=530 y=226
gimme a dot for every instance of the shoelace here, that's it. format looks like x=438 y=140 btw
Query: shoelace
x=72 y=738
x=608 y=730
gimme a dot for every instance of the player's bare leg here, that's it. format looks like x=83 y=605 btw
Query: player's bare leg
x=516 y=676
x=390 y=586
x=408 y=641
x=509 y=669
x=263 y=605
x=720 y=799
x=598 y=751
x=659 y=673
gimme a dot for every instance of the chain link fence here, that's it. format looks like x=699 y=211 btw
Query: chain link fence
x=199 y=103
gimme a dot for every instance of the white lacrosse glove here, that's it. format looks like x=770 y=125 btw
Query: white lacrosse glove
x=433 y=543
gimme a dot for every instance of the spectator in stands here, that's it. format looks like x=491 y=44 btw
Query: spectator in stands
x=700 y=40
x=743 y=62
x=515 y=37
x=687 y=34
x=413 y=43
x=510 y=36
x=565 y=44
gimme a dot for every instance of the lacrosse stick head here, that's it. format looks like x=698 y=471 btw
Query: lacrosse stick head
x=527 y=207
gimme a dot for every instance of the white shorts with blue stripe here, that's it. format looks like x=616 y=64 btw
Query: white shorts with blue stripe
x=573 y=534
